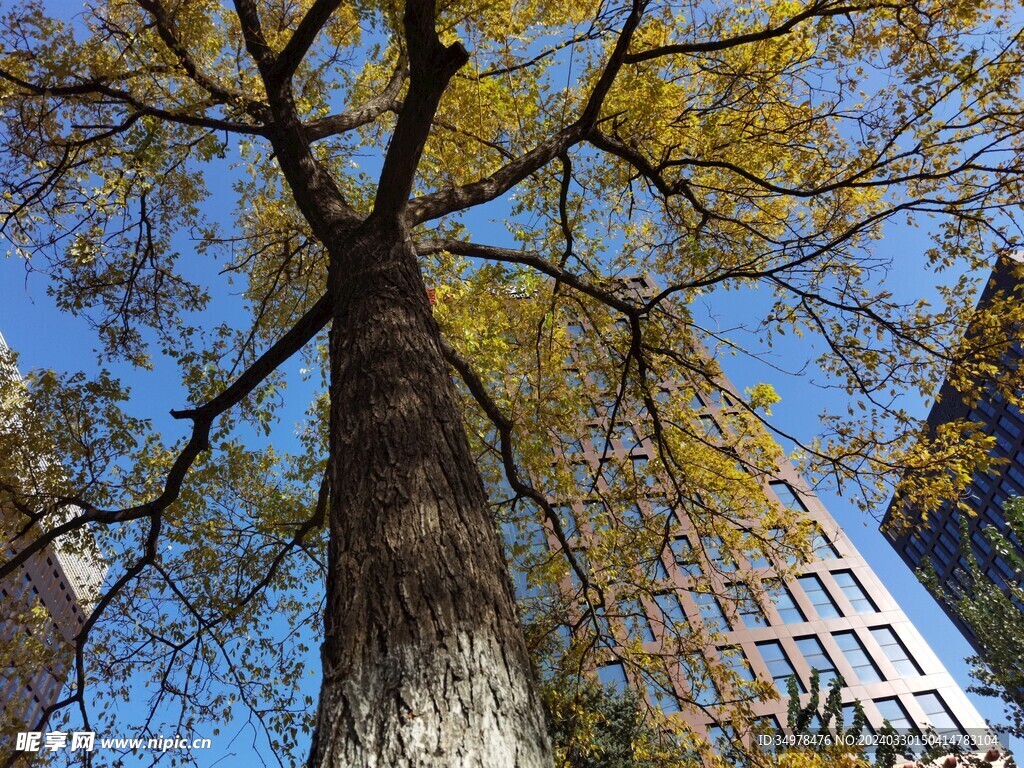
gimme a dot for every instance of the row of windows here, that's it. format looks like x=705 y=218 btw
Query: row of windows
x=865 y=670
x=748 y=612
x=704 y=693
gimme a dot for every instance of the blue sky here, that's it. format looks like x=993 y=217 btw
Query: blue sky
x=46 y=338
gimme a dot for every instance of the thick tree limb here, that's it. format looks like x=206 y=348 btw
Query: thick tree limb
x=165 y=29
x=453 y=199
x=431 y=66
x=529 y=259
x=386 y=101
x=298 y=46
x=816 y=10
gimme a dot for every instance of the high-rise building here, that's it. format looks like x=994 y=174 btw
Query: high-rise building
x=936 y=538
x=43 y=606
x=832 y=615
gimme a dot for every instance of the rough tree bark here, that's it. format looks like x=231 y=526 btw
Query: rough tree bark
x=424 y=661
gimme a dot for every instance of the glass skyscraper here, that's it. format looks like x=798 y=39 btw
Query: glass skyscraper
x=936 y=538
x=833 y=614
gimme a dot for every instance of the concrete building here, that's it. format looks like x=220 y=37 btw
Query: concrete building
x=937 y=539
x=42 y=607
x=835 y=615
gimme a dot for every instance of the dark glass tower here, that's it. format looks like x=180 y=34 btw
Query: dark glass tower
x=937 y=538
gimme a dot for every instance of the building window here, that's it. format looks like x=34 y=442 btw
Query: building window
x=613 y=677
x=662 y=695
x=734 y=658
x=849 y=713
x=817 y=658
x=779 y=666
x=785 y=493
x=915 y=550
x=685 y=557
x=938 y=714
x=747 y=608
x=893 y=711
x=981 y=545
x=782 y=598
x=895 y=651
x=703 y=691
x=714 y=548
x=710 y=612
x=854 y=592
x=1010 y=426
x=819 y=596
x=672 y=613
x=710 y=427
x=822 y=545
x=857 y=657
x=758 y=559
x=723 y=738
x=656 y=569
x=635 y=620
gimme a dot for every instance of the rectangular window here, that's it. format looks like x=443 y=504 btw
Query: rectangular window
x=747 y=608
x=1009 y=425
x=672 y=613
x=685 y=557
x=780 y=595
x=857 y=657
x=703 y=690
x=582 y=475
x=710 y=612
x=981 y=545
x=850 y=714
x=710 y=427
x=734 y=658
x=613 y=677
x=893 y=711
x=915 y=550
x=1003 y=567
x=631 y=515
x=787 y=495
x=895 y=651
x=822 y=545
x=714 y=548
x=817 y=658
x=854 y=592
x=948 y=543
x=758 y=559
x=779 y=666
x=662 y=695
x=819 y=596
x=635 y=620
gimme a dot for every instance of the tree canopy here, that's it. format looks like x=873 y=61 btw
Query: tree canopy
x=528 y=161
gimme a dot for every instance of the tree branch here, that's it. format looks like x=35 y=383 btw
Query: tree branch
x=298 y=46
x=202 y=419
x=386 y=101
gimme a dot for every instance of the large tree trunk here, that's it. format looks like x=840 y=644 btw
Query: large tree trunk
x=424 y=661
